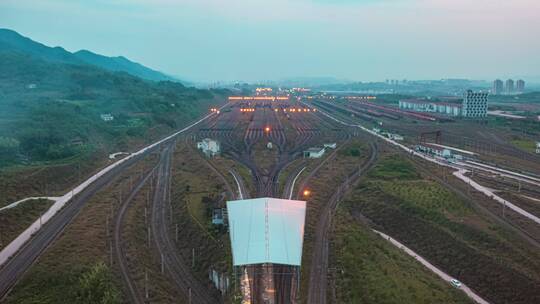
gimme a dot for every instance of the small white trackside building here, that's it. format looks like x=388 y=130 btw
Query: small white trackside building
x=314 y=153
x=209 y=147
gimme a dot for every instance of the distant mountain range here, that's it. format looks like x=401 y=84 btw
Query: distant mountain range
x=14 y=42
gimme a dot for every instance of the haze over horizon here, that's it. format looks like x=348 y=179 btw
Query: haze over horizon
x=366 y=40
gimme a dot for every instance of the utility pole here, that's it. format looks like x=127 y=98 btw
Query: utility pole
x=110 y=251
x=193 y=257
x=162 y=264
x=148 y=237
x=170 y=212
x=146 y=283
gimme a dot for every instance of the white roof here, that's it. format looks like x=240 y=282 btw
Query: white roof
x=266 y=230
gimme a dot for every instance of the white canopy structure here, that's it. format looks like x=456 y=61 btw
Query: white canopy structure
x=266 y=230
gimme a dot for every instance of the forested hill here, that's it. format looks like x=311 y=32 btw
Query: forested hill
x=14 y=42
x=51 y=111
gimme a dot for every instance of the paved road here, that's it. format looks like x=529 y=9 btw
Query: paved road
x=15 y=204
x=471 y=294
x=488 y=192
x=15 y=267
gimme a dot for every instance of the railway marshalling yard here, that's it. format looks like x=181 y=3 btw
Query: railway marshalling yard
x=384 y=223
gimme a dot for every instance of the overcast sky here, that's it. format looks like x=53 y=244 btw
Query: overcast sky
x=210 y=40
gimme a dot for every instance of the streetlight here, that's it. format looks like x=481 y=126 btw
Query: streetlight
x=306 y=192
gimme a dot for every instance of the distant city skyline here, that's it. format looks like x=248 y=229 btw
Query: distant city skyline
x=255 y=40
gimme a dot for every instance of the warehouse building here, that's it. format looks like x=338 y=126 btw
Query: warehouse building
x=420 y=105
x=473 y=105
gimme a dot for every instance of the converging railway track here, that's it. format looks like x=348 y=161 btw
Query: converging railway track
x=318 y=276
x=19 y=263
x=242 y=134
x=171 y=260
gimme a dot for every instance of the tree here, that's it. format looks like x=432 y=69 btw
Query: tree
x=96 y=286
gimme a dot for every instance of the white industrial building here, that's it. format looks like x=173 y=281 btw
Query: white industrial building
x=475 y=104
x=434 y=150
x=538 y=147
x=419 y=105
x=210 y=147
x=330 y=145
x=394 y=136
x=106 y=117
x=314 y=152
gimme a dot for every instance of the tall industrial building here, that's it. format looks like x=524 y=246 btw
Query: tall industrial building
x=509 y=86
x=520 y=86
x=498 y=87
x=475 y=104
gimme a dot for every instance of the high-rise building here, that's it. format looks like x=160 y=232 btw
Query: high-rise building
x=475 y=104
x=498 y=87
x=509 y=86
x=520 y=86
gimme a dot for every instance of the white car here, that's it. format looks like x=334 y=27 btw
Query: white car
x=455 y=283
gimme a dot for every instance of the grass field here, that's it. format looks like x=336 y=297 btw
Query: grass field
x=370 y=270
x=76 y=268
x=448 y=232
x=524 y=144
x=15 y=220
x=323 y=185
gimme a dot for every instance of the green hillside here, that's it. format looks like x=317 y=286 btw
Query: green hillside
x=12 y=41
x=51 y=111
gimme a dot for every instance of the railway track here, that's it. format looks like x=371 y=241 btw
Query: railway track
x=502 y=184
x=118 y=248
x=473 y=202
x=290 y=134
x=171 y=261
x=318 y=284
x=483 y=143
x=16 y=267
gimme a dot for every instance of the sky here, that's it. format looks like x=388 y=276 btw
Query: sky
x=255 y=40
